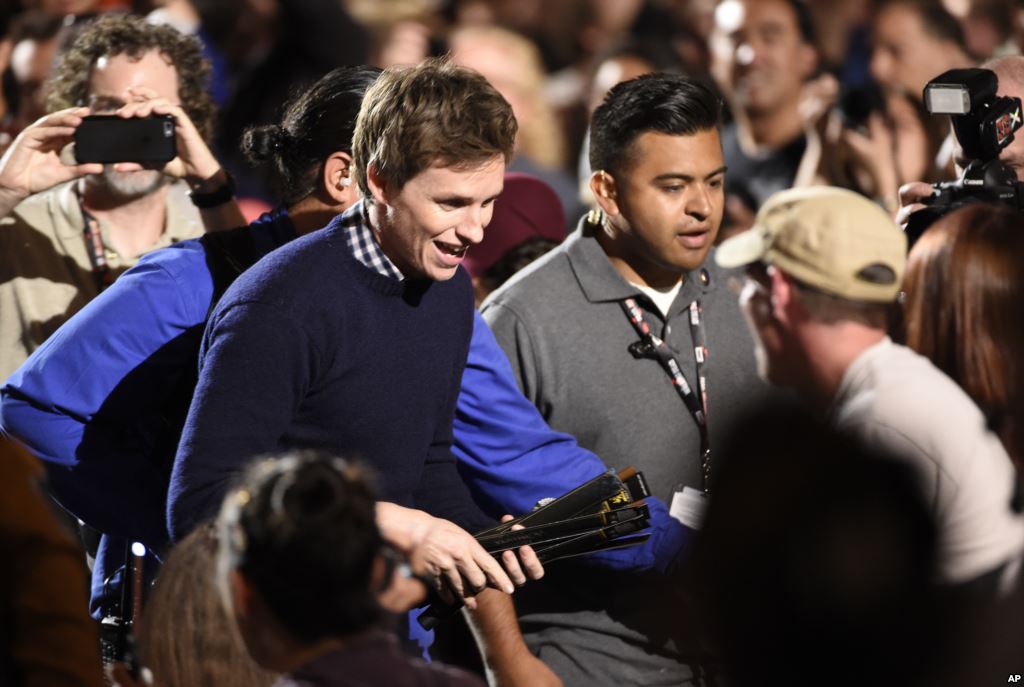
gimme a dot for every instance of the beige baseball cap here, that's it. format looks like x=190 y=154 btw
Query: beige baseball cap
x=829 y=238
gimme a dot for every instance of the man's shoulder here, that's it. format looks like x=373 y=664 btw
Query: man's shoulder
x=898 y=390
x=183 y=260
x=300 y=260
x=898 y=372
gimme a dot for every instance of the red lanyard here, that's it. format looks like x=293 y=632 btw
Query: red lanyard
x=97 y=252
x=652 y=346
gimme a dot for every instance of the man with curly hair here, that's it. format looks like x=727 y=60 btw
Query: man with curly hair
x=68 y=230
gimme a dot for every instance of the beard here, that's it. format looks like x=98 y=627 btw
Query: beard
x=126 y=186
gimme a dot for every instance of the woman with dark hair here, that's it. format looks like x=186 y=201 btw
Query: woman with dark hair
x=964 y=288
x=302 y=562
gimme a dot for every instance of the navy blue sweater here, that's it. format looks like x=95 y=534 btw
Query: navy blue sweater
x=310 y=348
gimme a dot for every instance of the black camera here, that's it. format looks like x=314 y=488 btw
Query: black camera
x=109 y=138
x=857 y=103
x=984 y=124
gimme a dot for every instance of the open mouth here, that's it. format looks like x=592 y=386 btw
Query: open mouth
x=456 y=251
x=697 y=239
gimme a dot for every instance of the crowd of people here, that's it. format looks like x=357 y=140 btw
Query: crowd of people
x=415 y=268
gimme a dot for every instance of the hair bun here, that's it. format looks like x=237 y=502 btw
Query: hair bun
x=261 y=143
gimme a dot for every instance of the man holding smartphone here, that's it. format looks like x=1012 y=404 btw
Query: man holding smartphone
x=68 y=229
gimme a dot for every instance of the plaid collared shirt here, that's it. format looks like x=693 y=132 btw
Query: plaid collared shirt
x=364 y=246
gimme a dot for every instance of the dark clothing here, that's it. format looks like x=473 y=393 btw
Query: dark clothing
x=754 y=179
x=46 y=637
x=375 y=660
x=310 y=348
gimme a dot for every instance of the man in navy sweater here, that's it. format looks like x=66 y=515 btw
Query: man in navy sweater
x=353 y=339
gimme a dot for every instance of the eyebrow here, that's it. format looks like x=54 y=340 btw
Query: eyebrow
x=689 y=177
x=462 y=200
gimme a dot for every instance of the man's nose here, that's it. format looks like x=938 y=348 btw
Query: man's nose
x=471 y=229
x=699 y=203
x=880 y=67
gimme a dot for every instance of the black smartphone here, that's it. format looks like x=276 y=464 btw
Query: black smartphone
x=109 y=138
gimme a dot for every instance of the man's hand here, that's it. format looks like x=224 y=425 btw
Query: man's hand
x=910 y=200
x=443 y=550
x=32 y=163
x=194 y=163
x=452 y=556
x=524 y=566
x=403 y=590
x=873 y=152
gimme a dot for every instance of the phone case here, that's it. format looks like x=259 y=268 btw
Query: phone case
x=109 y=138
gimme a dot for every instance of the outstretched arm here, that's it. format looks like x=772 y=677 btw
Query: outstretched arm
x=92 y=401
x=511 y=458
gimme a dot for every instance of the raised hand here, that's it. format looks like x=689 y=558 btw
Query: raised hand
x=194 y=163
x=34 y=163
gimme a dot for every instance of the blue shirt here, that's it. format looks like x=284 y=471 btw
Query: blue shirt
x=101 y=402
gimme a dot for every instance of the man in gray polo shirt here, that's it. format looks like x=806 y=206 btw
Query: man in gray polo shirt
x=593 y=331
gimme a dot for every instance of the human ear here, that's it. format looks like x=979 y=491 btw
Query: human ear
x=379 y=187
x=808 y=60
x=783 y=294
x=605 y=190
x=337 y=179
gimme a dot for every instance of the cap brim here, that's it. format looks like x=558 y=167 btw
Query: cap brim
x=744 y=248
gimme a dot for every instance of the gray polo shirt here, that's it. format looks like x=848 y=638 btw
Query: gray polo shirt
x=561 y=323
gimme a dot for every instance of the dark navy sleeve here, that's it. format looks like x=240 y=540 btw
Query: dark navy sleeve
x=512 y=459
x=254 y=371
x=442 y=491
x=87 y=402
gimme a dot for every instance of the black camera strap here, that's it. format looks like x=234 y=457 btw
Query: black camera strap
x=652 y=346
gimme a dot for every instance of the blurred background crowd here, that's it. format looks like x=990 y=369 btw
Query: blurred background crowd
x=822 y=92
x=827 y=92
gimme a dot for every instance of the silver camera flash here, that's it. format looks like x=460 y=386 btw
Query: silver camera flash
x=948 y=99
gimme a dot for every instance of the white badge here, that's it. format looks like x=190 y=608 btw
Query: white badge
x=688 y=507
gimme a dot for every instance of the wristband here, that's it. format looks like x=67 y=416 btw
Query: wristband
x=217 y=196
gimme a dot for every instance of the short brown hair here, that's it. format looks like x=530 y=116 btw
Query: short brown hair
x=434 y=113
x=122 y=34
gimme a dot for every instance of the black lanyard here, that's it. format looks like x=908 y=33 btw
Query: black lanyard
x=94 y=246
x=651 y=346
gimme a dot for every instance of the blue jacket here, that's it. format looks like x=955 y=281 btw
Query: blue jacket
x=104 y=399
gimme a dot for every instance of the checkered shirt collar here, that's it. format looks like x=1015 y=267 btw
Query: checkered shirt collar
x=363 y=245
